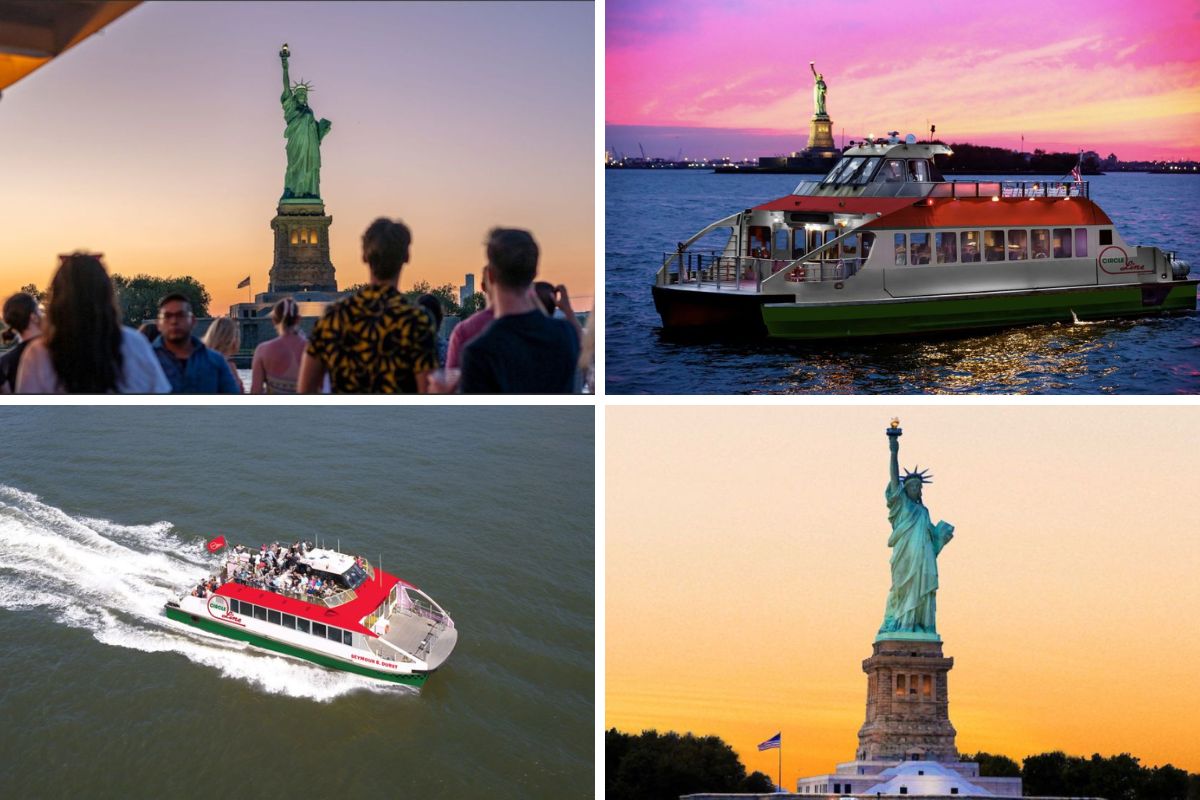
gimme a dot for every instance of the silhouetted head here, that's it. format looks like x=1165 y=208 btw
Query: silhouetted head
x=546 y=295
x=512 y=258
x=20 y=313
x=286 y=314
x=385 y=248
x=149 y=330
x=432 y=305
x=84 y=325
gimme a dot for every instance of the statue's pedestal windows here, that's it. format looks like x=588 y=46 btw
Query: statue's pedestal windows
x=301 y=249
x=908 y=717
x=820 y=133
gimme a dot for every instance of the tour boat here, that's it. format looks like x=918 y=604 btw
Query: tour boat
x=883 y=245
x=366 y=621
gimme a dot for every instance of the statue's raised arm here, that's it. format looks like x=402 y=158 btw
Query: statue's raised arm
x=893 y=434
x=813 y=66
x=283 y=56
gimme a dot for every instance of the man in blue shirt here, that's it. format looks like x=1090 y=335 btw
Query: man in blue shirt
x=190 y=366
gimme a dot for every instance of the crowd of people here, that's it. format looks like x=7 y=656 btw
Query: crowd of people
x=527 y=339
x=274 y=568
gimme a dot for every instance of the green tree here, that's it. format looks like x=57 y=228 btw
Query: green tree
x=994 y=766
x=33 y=291
x=472 y=304
x=445 y=294
x=654 y=766
x=138 y=296
x=1046 y=774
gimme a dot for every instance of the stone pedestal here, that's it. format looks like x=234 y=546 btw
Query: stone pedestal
x=908 y=703
x=820 y=133
x=301 y=249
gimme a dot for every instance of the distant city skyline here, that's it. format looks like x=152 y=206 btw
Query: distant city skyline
x=159 y=141
x=1099 y=75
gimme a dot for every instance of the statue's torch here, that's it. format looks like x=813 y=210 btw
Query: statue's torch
x=894 y=429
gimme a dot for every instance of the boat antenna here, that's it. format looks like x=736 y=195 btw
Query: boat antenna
x=339 y=544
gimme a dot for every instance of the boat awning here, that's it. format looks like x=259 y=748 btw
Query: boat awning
x=817 y=204
x=347 y=616
x=983 y=212
x=32 y=32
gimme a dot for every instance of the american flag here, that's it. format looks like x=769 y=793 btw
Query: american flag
x=1075 y=170
x=244 y=283
x=773 y=743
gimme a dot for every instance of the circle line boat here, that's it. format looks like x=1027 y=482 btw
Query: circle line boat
x=884 y=245
x=327 y=607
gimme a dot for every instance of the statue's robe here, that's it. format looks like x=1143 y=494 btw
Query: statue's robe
x=915 y=543
x=303 y=134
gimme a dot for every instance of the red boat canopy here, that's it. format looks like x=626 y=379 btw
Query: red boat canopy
x=837 y=205
x=983 y=212
x=349 y=616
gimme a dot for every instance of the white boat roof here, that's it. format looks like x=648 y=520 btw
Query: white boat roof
x=328 y=561
x=884 y=149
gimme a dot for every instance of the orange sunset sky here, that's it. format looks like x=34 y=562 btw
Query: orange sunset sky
x=747 y=570
x=159 y=142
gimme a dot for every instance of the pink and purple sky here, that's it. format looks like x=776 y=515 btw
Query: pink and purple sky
x=722 y=78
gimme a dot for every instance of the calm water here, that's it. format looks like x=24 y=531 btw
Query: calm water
x=647 y=212
x=103 y=516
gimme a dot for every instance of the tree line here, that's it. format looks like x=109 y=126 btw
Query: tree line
x=665 y=766
x=138 y=296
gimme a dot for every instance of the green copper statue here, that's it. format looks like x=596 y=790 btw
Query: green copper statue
x=304 y=134
x=818 y=91
x=915 y=542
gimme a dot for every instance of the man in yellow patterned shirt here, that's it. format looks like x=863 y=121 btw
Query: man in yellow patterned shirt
x=373 y=341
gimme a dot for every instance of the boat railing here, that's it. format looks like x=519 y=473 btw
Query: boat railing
x=344 y=596
x=748 y=272
x=1010 y=189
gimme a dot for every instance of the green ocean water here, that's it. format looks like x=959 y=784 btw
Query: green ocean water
x=104 y=512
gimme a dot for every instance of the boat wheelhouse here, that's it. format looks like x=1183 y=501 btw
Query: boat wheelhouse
x=884 y=245
x=323 y=606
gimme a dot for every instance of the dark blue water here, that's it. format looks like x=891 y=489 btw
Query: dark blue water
x=647 y=212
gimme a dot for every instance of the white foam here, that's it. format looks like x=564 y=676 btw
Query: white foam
x=113 y=580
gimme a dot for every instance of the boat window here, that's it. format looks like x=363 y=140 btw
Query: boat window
x=273 y=617
x=235 y=606
x=947 y=247
x=851 y=171
x=289 y=621
x=868 y=239
x=758 y=241
x=354 y=577
x=993 y=245
x=260 y=612
x=1080 y=242
x=347 y=638
x=1040 y=240
x=302 y=625
x=918 y=170
x=815 y=240
x=1062 y=242
x=797 y=243
x=833 y=173
x=318 y=629
x=334 y=635
x=832 y=252
x=864 y=175
x=781 y=242
x=901 y=250
x=970 y=246
x=893 y=171
x=1105 y=236
x=850 y=247
x=919 y=248
x=1018 y=245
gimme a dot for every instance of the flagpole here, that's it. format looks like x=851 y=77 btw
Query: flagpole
x=781 y=763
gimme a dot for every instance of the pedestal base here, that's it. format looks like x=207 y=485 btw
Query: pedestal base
x=907 y=703
x=301 y=262
x=820 y=133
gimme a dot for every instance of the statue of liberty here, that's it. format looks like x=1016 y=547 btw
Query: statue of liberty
x=916 y=542
x=818 y=91
x=304 y=134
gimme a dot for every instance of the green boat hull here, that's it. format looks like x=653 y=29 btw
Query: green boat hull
x=966 y=312
x=279 y=647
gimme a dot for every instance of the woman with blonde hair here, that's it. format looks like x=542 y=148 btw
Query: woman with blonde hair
x=276 y=365
x=225 y=337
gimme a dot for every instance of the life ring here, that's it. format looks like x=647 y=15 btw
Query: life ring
x=798 y=274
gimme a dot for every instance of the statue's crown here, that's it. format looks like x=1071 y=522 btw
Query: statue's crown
x=918 y=473
x=302 y=84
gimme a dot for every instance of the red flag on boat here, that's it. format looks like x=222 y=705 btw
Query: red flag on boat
x=216 y=544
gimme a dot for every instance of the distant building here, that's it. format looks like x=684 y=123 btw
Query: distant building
x=467 y=289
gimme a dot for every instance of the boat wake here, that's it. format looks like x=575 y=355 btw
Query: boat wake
x=1077 y=321
x=112 y=580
